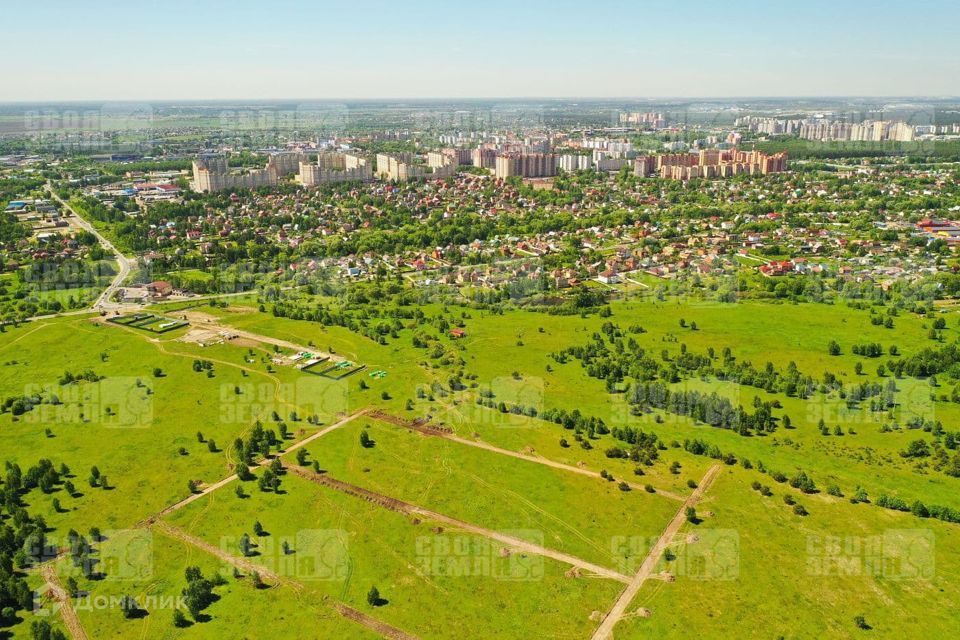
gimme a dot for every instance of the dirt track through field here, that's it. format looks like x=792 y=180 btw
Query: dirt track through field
x=241 y=563
x=58 y=593
x=382 y=628
x=373 y=624
x=406 y=508
x=263 y=463
x=207 y=323
x=447 y=434
x=605 y=630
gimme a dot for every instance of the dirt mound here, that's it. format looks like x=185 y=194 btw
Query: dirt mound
x=573 y=572
x=693 y=538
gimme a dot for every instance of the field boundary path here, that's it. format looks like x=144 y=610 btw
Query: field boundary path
x=371 y=623
x=382 y=628
x=407 y=508
x=447 y=434
x=172 y=531
x=58 y=593
x=263 y=463
x=605 y=630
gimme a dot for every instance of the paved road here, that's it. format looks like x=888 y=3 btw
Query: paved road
x=125 y=264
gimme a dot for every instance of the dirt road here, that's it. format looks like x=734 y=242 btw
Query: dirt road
x=58 y=593
x=516 y=544
x=429 y=430
x=249 y=566
x=605 y=630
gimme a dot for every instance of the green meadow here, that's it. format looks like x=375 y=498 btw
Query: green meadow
x=559 y=509
x=153 y=566
x=753 y=560
x=435 y=581
x=143 y=438
x=135 y=404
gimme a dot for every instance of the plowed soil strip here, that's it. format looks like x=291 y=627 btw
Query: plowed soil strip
x=373 y=624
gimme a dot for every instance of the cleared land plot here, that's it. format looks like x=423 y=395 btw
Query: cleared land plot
x=150 y=568
x=149 y=322
x=132 y=433
x=581 y=516
x=437 y=583
x=755 y=559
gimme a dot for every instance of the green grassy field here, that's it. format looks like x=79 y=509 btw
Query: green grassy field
x=156 y=564
x=140 y=428
x=758 y=566
x=568 y=512
x=422 y=573
x=134 y=434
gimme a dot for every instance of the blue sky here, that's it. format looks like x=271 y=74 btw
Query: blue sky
x=213 y=49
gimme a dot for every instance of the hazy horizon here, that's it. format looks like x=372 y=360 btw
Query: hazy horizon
x=106 y=50
x=653 y=100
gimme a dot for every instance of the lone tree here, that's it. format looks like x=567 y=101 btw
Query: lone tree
x=180 y=620
x=373 y=597
x=691 y=514
x=129 y=607
x=365 y=440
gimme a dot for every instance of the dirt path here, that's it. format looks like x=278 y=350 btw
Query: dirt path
x=373 y=624
x=202 y=320
x=263 y=463
x=411 y=509
x=249 y=566
x=605 y=630
x=241 y=563
x=443 y=432
x=58 y=593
